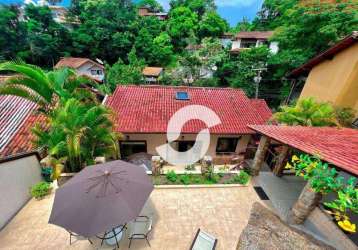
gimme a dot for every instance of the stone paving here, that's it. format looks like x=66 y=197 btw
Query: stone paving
x=177 y=214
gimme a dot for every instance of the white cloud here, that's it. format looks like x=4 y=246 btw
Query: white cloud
x=234 y=3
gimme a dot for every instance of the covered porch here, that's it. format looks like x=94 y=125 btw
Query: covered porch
x=337 y=146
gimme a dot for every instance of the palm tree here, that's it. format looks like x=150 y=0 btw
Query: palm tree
x=44 y=88
x=78 y=132
x=307 y=112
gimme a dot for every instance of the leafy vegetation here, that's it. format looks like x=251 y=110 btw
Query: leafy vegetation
x=172 y=176
x=112 y=31
x=324 y=179
x=40 y=190
x=241 y=178
x=307 y=112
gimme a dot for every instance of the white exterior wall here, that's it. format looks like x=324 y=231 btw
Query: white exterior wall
x=274 y=47
x=236 y=44
x=155 y=140
x=86 y=68
x=16 y=178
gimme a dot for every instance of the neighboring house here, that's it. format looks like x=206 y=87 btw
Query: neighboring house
x=59 y=13
x=83 y=66
x=226 y=39
x=152 y=74
x=18 y=116
x=250 y=39
x=331 y=76
x=143 y=112
x=147 y=11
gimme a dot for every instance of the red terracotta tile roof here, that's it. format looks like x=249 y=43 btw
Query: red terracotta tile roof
x=152 y=71
x=262 y=109
x=254 y=34
x=147 y=109
x=17 y=117
x=75 y=62
x=338 y=146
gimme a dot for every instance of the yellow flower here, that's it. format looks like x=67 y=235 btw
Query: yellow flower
x=347 y=226
x=295 y=158
x=288 y=166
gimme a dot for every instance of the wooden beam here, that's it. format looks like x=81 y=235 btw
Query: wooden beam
x=279 y=166
x=260 y=155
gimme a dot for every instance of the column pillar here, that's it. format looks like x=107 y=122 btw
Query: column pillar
x=279 y=166
x=260 y=155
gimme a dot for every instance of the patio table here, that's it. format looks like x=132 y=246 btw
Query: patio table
x=113 y=237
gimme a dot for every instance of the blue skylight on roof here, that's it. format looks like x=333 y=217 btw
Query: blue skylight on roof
x=181 y=95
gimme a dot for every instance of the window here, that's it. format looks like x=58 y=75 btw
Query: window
x=226 y=145
x=355 y=123
x=248 y=43
x=93 y=72
x=99 y=72
x=129 y=148
x=182 y=96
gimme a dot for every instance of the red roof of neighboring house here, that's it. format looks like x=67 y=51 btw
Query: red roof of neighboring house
x=152 y=71
x=338 y=146
x=262 y=109
x=75 y=62
x=254 y=34
x=147 y=109
x=326 y=55
x=17 y=117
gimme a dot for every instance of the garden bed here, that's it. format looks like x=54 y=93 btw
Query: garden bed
x=172 y=178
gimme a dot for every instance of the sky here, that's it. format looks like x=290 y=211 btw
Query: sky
x=232 y=10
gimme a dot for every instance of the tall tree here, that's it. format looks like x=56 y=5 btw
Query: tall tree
x=182 y=24
x=212 y=25
x=197 y=6
x=47 y=39
x=122 y=73
x=106 y=29
x=13 y=33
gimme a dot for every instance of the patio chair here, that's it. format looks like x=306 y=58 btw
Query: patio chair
x=203 y=241
x=139 y=229
x=77 y=236
x=113 y=237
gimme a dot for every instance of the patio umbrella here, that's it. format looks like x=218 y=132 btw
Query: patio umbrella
x=101 y=197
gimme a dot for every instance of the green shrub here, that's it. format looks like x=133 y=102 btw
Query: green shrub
x=172 y=176
x=40 y=189
x=243 y=178
x=185 y=179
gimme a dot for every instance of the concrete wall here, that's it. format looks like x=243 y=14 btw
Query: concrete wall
x=335 y=80
x=155 y=140
x=16 y=178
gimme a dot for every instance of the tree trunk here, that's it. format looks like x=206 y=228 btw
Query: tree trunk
x=305 y=204
x=260 y=155
x=157 y=165
x=279 y=166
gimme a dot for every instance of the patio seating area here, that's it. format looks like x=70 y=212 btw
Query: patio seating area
x=177 y=215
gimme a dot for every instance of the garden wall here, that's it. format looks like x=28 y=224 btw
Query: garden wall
x=17 y=175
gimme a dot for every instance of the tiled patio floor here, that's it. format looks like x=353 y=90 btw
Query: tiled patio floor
x=178 y=213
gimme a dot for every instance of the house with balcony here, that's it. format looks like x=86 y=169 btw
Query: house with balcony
x=251 y=39
x=147 y=11
x=152 y=74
